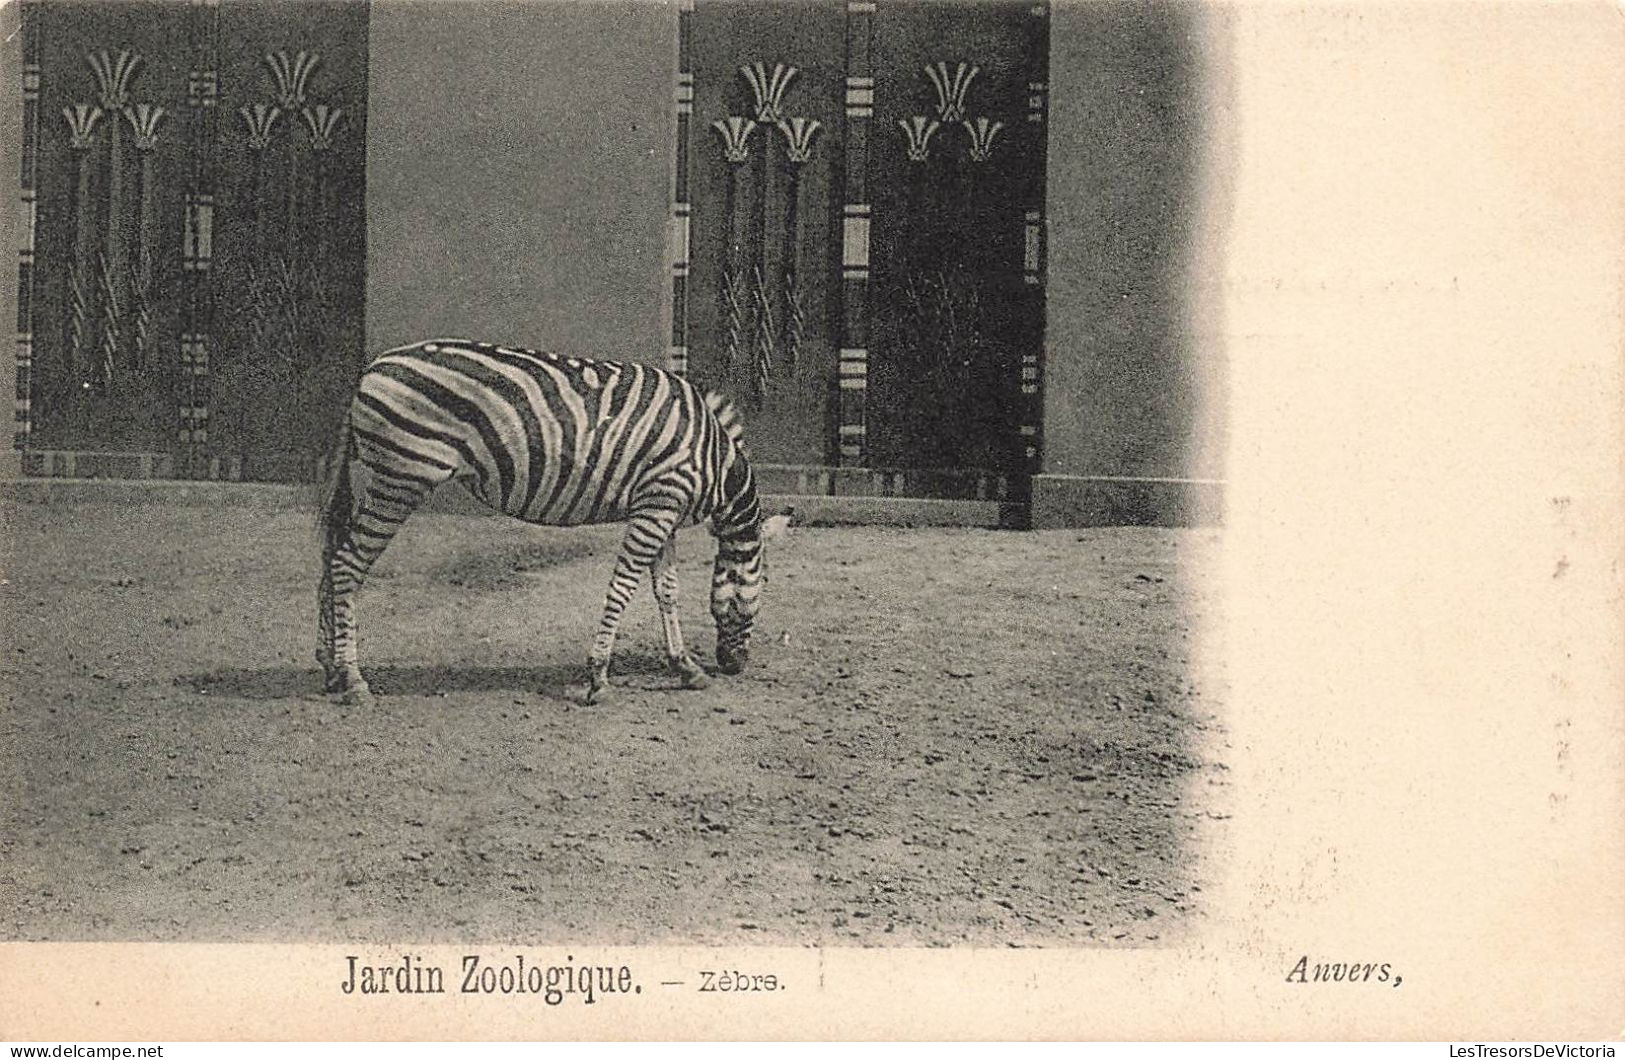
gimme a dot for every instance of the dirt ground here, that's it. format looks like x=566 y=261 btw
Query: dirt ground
x=945 y=737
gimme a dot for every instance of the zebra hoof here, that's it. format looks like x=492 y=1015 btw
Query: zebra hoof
x=597 y=689
x=359 y=696
x=689 y=670
x=347 y=684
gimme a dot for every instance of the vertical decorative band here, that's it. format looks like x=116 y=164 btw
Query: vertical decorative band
x=197 y=304
x=26 y=226
x=23 y=416
x=681 y=208
x=1032 y=252
x=1035 y=101
x=1030 y=442
x=856 y=215
x=854 y=369
x=25 y=372
x=195 y=368
x=202 y=88
x=684 y=94
x=1029 y=373
x=681 y=213
x=860 y=97
x=855 y=241
x=198 y=247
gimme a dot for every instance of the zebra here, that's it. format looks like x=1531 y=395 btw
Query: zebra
x=553 y=440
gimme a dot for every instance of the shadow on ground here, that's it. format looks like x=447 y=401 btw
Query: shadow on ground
x=556 y=680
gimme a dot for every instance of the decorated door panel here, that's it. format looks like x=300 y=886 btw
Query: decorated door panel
x=859 y=228
x=957 y=171
x=191 y=281
x=762 y=167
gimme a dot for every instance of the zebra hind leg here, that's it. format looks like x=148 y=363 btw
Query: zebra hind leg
x=663 y=581
x=351 y=550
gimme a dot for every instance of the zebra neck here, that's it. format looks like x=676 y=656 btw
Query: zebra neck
x=739 y=511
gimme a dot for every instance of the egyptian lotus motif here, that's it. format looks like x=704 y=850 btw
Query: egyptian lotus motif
x=109 y=303
x=135 y=177
x=918 y=130
x=768 y=88
x=952 y=87
x=798 y=138
x=944 y=321
x=747 y=291
x=799 y=135
x=260 y=118
x=82 y=119
x=144 y=119
x=289 y=311
x=292 y=75
x=735 y=132
x=982 y=133
x=322 y=122
x=113 y=75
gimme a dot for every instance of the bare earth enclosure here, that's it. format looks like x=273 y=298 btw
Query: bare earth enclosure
x=945 y=737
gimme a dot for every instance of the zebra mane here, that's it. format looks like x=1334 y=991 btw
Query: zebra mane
x=733 y=425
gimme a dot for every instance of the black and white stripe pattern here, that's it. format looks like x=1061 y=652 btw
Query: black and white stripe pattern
x=552 y=440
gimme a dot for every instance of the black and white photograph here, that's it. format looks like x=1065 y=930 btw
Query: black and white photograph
x=543 y=479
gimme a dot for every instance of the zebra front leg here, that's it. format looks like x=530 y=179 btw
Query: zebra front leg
x=646 y=534
x=664 y=583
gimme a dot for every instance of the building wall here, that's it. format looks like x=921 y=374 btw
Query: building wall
x=518 y=176
x=518 y=167
x=1138 y=155
x=522 y=195
x=11 y=138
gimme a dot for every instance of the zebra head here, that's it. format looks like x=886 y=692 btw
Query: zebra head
x=736 y=596
x=736 y=589
x=736 y=580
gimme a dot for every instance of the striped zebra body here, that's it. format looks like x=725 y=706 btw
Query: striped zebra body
x=552 y=440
